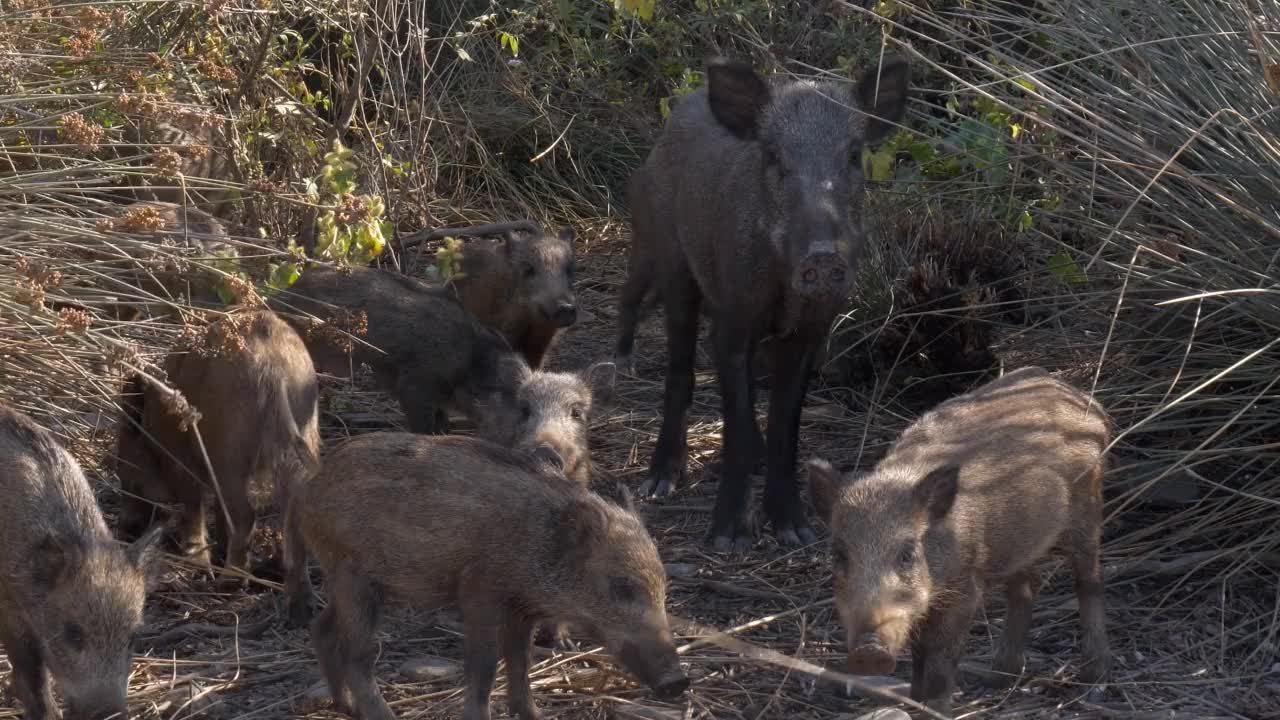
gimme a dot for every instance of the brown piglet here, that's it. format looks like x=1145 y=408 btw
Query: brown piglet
x=253 y=384
x=521 y=286
x=71 y=598
x=450 y=520
x=973 y=493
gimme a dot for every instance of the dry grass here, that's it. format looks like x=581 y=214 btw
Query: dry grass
x=1174 y=327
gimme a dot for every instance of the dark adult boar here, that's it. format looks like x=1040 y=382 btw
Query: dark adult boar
x=751 y=201
x=70 y=597
x=551 y=410
x=975 y=492
x=462 y=521
x=522 y=286
x=425 y=348
x=258 y=420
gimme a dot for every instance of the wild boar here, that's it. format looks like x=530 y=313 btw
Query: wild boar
x=462 y=521
x=254 y=387
x=71 y=598
x=974 y=492
x=424 y=347
x=521 y=287
x=751 y=202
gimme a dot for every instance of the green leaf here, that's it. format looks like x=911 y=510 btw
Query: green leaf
x=882 y=165
x=510 y=42
x=1024 y=82
x=1066 y=269
x=1025 y=221
x=462 y=54
x=922 y=152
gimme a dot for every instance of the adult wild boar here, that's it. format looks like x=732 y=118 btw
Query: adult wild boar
x=751 y=202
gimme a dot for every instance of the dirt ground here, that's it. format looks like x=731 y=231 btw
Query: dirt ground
x=207 y=654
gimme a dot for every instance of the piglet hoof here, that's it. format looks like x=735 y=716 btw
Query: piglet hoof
x=999 y=679
x=796 y=537
x=626 y=364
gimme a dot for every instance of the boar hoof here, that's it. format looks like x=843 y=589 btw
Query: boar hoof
x=738 y=544
x=300 y=613
x=999 y=679
x=626 y=364
x=659 y=485
x=796 y=537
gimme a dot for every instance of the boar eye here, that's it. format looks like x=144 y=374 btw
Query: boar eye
x=73 y=634
x=529 y=272
x=526 y=411
x=855 y=156
x=840 y=559
x=907 y=556
x=623 y=590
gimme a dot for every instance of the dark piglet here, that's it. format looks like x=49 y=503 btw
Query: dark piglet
x=497 y=532
x=521 y=286
x=71 y=598
x=425 y=348
x=254 y=386
x=751 y=202
x=973 y=493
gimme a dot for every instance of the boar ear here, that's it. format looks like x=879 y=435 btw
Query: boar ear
x=579 y=526
x=884 y=100
x=51 y=561
x=937 y=491
x=736 y=95
x=566 y=236
x=144 y=554
x=824 y=481
x=601 y=378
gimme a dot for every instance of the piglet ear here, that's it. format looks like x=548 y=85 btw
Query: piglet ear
x=580 y=525
x=823 y=482
x=144 y=554
x=736 y=95
x=51 y=561
x=936 y=493
x=627 y=500
x=601 y=377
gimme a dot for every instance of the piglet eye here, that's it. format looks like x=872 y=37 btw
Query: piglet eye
x=526 y=411
x=529 y=272
x=576 y=412
x=840 y=559
x=73 y=634
x=907 y=556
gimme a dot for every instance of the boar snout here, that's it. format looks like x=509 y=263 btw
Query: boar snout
x=564 y=314
x=824 y=275
x=107 y=704
x=546 y=453
x=869 y=654
x=656 y=666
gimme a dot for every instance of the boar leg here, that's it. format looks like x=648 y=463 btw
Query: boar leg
x=1086 y=566
x=942 y=637
x=1020 y=593
x=235 y=540
x=193 y=538
x=667 y=467
x=793 y=361
x=518 y=652
x=345 y=641
x=731 y=519
x=716 y=468
x=30 y=681
x=420 y=402
x=480 y=662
